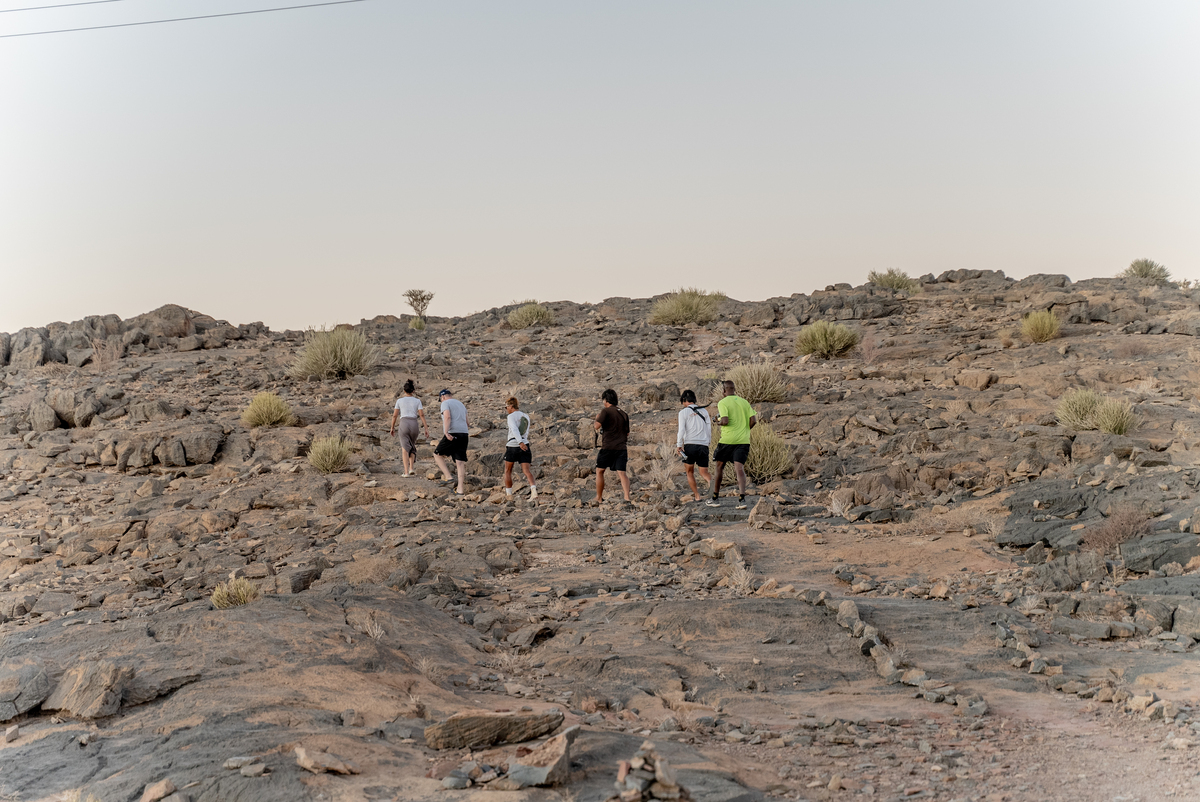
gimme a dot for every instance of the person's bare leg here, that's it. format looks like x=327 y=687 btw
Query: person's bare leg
x=740 y=470
x=624 y=477
x=508 y=476
x=716 y=483
x=462 y=476
x=441 y=463
x=528 y=474
x=706 y=475
x=410 y=462
x=599 y=485
x=691 y=477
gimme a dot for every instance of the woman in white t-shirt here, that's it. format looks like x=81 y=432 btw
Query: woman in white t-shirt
x=408 y=410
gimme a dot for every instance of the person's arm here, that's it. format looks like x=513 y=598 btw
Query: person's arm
x=596 y=424
x=425 y=423
x=679 y=432
x=395 y=414
x=753 y=421
x=446 y=425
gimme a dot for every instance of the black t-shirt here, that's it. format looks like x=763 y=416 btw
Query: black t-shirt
x=614 y=428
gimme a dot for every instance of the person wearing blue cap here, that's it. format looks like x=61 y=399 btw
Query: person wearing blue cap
x=454 y=439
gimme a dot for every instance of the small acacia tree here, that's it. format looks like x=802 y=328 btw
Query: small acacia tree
x=419 y=301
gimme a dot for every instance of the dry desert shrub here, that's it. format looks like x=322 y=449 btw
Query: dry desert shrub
x=958 y=406
x=369 y=570
x=1123 y=524
x=770 y=457
x=417 y=324
x=234 y=593
x=334 y=354
x=531 y=313
x=107 y=351
x=660 y=467
x=1147 y=269
x=1077 y=408
x=826 y=340
x=1131 y=349
x=268 y=409
x=329 y=454
x=1040 y=327
x=419 y=301
x=758 y=382
x=870 y=349
x=893 y=279
x=1115 y=417
x=740 y=579
x=687 y=305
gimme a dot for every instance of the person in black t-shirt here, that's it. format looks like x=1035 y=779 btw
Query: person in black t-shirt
x=613 y=425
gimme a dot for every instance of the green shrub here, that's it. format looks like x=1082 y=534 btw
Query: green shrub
x=530 y=314
x=893 y=279
x=687 y=305
x=417 y=324
x=757 y=382
x=1077 y=408
x=770 y=457
x=1147 y=269
x=1041 y=327
x=268 y=409
x=826 y=340
x=1115 y=417
x=334 y=354
x=234 y=593
x=329 y=454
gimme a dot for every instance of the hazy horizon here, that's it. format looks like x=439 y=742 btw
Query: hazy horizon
x=306 y=167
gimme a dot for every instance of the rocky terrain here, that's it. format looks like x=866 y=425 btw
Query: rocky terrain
x=914 y=611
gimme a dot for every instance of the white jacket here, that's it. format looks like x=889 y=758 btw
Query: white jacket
x=695 y=427
x=516 y=422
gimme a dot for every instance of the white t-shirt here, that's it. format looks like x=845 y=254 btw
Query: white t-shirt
x=408 y=406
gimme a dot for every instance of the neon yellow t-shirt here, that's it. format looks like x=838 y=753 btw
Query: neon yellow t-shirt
x=739 y=412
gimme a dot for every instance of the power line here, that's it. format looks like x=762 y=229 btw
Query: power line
x=181 y=19
x=60 y=5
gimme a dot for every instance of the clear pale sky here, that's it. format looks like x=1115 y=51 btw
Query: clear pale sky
x=306 y=167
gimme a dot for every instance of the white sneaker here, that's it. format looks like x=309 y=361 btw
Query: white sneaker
x=532 y=493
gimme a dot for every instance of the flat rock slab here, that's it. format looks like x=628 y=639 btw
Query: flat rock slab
x=475 y=730
x=90 y=690
x=22 y=688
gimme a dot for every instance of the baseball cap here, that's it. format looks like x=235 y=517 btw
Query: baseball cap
x=444 y=392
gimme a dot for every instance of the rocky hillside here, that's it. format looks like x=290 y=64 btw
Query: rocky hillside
x=942 y=549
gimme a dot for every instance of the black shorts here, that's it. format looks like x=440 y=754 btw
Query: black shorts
x=730 y=452
x=695 y=455
x=456 y=448
x=515 y=454
x=612 y=459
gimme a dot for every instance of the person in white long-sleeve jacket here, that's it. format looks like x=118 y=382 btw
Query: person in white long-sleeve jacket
x=693 y=439
x=517 y=450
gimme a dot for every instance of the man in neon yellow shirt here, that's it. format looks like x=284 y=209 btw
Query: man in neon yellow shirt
x=737 y=418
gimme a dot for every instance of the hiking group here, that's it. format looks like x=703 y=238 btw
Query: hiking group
x=693 y=439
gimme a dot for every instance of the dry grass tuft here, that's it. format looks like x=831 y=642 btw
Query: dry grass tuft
x=268 y=409
x=893 y=279
x=1077 y=407
x=758 y=382
x=234 y=593
x=329 y=454
x=1123 y=524
x=770 y=457
x=334 y=354
x=826 y=340
x=661 y=466
x=530 y=314
x=369 y=570
x=1041 y=327
x=417 y=324
x=687 y=305
x=1116 y=417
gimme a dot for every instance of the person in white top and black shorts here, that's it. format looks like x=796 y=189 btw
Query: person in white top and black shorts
x=517 y=450
x=693 y=438
x=408 y=410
